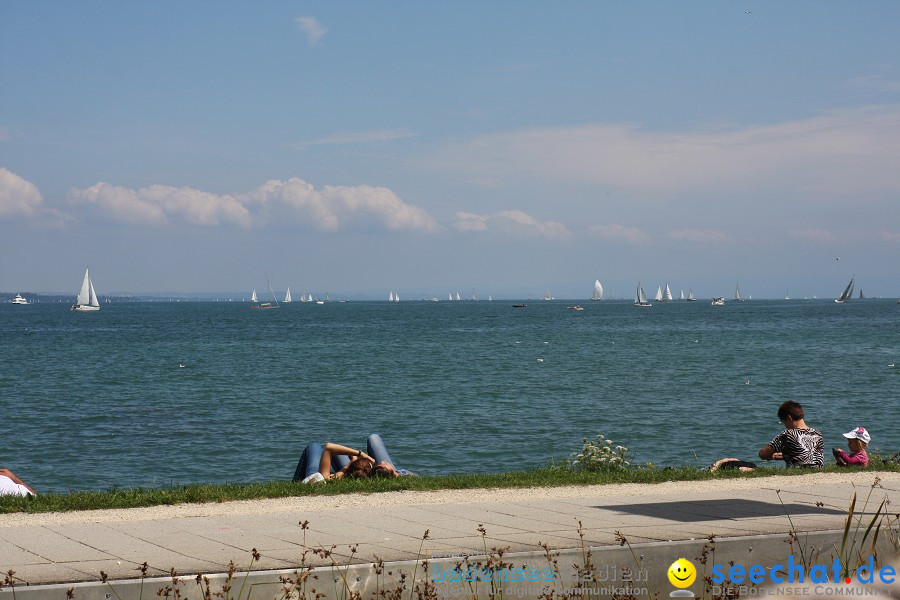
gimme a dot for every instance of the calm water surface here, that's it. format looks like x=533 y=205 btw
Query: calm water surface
x=91 y=401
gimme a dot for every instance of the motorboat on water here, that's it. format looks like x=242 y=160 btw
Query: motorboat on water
x=19 y=300
x=718 y=301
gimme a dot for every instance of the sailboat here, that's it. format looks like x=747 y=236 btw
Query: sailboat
x=659 y=294
x=267 y=304
x=547 y=296
x=309 y=298
x=287 y=296
x=640 y=297
x=87 y=298
x=681 y=296
x=668 y=296
x=474 y=298
x=848 y=293
x=457 y=295
x=690 y=297
x=861 y=295
x=253 y=297
x=598 y=291
x=737 y=293
x=397 y=297
x=391 y=296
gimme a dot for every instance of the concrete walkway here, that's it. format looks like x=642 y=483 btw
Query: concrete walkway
x=75 y=547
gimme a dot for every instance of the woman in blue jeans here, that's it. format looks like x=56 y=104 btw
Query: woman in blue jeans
x=334 y=461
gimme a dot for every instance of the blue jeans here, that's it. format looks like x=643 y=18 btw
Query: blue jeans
x=309 y=462
x=375 y=448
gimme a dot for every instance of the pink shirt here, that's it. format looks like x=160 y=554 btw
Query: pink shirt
x=857 y=458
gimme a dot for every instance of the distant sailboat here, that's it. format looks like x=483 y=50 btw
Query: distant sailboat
x=287 y=296
x=668 y=295
x=391 y=296
x=641 y=298
x=457 y=295
x=690 y=297
x=659 y=294
x=267 y=305
x=547 y=296
x=598 y=291
x=474 y=297
x=397 y=297
x=87 y=298
x=681 y=296
x=450 y=296
x=861 y=296
x=253 y=297
x=737 y=293
x=848 y=293
x=309 y=298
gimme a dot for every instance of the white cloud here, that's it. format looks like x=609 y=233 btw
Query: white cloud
x=312 y=28
x=357 y=137
x=838 y=152
x=703 y=236
x=813 y=235
x=512 y=222
x=619 y=233
x=18 y=197
x=291 y=202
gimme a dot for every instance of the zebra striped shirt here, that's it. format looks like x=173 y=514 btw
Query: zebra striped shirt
x=801 y=447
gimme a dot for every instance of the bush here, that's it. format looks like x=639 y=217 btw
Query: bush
x=599 y=456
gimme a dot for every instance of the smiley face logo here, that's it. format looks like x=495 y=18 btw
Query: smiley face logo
x=682 y=573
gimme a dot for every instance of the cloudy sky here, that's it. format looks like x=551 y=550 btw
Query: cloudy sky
x=510 y=147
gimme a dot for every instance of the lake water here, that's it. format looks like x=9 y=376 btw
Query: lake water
x=91 y=401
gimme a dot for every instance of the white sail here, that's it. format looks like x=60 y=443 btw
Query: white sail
x=681 y=297
x=84 y=296
x=668 y=295
x=659 y=293
x=737 y=293
x=309 y=298
x=87 y=297
x=449 y=295
x=598 y=291
x=547 y=296
x=474 y=297
x=94 y=301
x=691 y=295
x=287 y=296
x=391 y=296
x=457 y=295
x=397 y=297
x=640 y=297
x=253 y=297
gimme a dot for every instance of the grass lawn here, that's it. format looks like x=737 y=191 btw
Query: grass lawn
x=543 y=477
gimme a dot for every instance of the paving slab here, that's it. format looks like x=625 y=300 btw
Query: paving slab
x=73 y=547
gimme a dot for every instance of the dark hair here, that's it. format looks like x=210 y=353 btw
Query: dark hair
x=359 y=468
x=382 y=471
x=794 y=409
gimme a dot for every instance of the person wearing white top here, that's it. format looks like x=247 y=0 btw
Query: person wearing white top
x=10 y=485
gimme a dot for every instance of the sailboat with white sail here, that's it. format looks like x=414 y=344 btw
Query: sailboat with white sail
x=659 y=294
x=690 y=297
x=287 y=296
x=737 y=293
x=87 y=297
x=253 y=297
x=640 y=297
x=667 y=297
x=266 y=305
x=391 y=296
x=848 y=293
x=598 y=291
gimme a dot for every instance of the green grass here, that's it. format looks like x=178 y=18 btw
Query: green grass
x=544 y=477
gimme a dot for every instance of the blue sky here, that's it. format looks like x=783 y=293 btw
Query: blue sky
x=509 y=147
